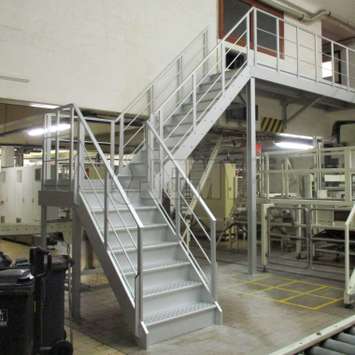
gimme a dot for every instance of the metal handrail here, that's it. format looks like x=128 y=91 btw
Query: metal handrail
x=347 y=250
x=85 y=134
x=109 y=169
x=160 y=75
x=181 y=172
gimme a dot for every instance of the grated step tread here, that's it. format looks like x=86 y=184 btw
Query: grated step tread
x=171 y=287
x=147 y=247
x=178 y=312
x=158 y=266
x=123 y=209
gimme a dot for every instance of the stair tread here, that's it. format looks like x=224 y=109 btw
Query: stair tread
x=171 y=287
x=146 y=226
x=147 y=246
x=158 y=266
x=118 y=228
x=182 y=311
x=111 y=209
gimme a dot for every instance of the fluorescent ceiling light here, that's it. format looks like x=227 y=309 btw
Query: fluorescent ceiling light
x=40 y=131
x=297 y=136
x=50 y=107
x=293 y=145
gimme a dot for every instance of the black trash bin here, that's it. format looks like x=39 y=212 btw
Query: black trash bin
x=53 y=307
x=16 y=312
x=49 y=272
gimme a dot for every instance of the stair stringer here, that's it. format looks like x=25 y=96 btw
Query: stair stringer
x=112 y=273
x=211 y=117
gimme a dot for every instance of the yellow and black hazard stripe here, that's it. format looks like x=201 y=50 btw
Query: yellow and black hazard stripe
x=269 y=124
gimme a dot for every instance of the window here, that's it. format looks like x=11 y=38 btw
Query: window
x=230 y=11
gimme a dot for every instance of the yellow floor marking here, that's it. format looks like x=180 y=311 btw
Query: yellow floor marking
x=328 y=303
x=296 y=293
x=305 y=293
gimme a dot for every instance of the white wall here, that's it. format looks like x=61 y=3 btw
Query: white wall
x=97 y=53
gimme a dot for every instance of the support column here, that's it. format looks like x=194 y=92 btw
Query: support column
x=43 y=226
x=7 y=157
x=251 y=165
x=76 y=255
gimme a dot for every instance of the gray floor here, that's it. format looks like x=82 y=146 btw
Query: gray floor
x=261 y=315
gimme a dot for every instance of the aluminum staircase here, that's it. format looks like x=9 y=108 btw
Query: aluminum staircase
x=135 y=213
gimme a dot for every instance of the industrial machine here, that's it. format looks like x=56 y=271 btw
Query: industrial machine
x=307 y=203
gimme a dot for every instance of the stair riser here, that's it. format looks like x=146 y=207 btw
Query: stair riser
x=162 y=277
x=211 y=95
x=133 y=183
x=182 y=129
x=135 y=197
x=169 y=301
x=149 y=236
x=151 y=216
x=181 y=326
x=201 y=106
x=138 y=169
x=228 y=75
x=174 y=140
x=164 y=255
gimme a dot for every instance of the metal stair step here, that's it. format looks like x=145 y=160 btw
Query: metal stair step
x=170 y=287
x=157 y=266
x=153 y=246
x=178 y=312
x=123 y=217
x=153 y=234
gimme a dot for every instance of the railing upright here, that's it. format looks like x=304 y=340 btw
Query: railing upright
x=213 y=259
x=194 y=100
x=347 y=54
x=177 y=203
x=105 y=208
x=112 y=144
x=347 y=252
x=121 y=146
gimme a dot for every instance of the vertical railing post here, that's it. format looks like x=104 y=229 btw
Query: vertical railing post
x=71 y=149
x=347 y=60
x=112 y=144
x=177 y=203
x=121 y=146
x=248 y=36
x=316 y=57
x=277 y=44
x=255 y=33
x=105 y=208
x=333 y=61
x=161 y=154
x=194 y=100
x=348 y=175
x=347 y=257
x=213 y=259
x=298 y=59
x=179 y=77
x=205 y=51
x=80 y=157
x=139 y=283
x=56 y=152
x=223 y=65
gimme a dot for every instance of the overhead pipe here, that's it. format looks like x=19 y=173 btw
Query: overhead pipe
x=306 y=17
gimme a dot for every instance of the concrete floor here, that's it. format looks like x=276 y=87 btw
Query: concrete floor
x=261 y=314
